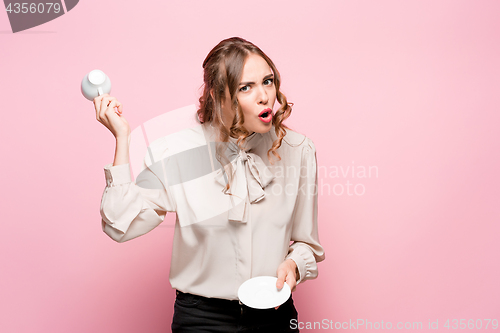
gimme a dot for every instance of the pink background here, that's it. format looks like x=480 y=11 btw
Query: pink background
x=408 y=87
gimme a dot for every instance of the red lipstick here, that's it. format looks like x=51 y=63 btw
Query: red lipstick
x=266 y=115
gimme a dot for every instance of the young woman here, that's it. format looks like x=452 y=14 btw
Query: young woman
x=243 y=186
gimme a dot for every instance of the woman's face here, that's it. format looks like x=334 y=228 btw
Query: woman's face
x=256 y=93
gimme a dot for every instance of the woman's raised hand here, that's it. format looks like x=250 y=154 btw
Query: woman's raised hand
x=106 y=115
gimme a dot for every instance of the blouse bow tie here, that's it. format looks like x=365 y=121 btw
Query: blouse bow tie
x=250 y=176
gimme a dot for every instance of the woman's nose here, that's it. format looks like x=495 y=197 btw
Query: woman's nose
x=263 y=97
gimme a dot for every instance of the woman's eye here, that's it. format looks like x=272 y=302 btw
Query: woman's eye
x=243 y=88
x=270 y=81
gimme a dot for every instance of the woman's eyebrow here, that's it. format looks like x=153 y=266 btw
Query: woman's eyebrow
x=265 y=78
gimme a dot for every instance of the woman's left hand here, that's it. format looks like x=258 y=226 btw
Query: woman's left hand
x=286 y=272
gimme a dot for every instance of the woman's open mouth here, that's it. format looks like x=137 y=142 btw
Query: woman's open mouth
x=266 y=115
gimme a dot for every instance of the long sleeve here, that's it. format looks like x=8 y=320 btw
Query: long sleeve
x=129 y=210
x=306 y=250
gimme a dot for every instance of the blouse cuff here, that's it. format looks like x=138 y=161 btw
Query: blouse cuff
x=118 y=174
x=120 y=204
x=308 y=269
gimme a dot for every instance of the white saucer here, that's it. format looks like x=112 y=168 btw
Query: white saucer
x=261 y=293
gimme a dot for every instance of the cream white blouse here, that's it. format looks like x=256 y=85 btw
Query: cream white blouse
x=221 y=238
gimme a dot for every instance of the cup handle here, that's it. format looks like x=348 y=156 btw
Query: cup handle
x=99 y=91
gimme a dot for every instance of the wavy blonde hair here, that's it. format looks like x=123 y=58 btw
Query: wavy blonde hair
x=223 y=67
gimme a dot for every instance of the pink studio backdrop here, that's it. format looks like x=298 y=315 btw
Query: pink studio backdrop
x=406 y=91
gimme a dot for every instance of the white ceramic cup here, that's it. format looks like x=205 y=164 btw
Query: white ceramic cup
x=94 y=84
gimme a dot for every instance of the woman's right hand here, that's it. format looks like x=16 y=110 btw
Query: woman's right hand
x=106 y=115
